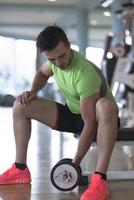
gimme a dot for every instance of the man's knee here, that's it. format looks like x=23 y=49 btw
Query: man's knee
x=18 y=108
x=106 y=108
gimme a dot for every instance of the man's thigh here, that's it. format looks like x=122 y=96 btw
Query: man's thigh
x=42 y=110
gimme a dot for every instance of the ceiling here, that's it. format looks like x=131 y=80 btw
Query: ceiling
x=24 y=19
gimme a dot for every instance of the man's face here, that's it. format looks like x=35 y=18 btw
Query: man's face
x=60 y=55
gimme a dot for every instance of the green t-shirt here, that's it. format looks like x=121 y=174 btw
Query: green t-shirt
x=80 y=80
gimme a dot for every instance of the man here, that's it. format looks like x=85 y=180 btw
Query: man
x=90 y=109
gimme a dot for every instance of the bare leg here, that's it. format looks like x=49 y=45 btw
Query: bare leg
x=107 y=114
x=106 y=128
x=41 y=110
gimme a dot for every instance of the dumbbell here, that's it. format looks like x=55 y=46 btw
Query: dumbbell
x=66 y=175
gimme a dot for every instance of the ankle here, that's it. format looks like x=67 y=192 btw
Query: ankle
x=20 y=166
x=104 y=176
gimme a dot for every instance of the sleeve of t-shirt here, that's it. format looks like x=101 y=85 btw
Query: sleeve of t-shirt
x=88 y=84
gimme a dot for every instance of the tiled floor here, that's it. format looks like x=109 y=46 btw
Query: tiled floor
x=46 y=148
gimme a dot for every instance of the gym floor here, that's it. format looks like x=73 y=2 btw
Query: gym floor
x=46 y=148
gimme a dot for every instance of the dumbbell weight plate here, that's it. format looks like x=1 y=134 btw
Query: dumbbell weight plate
x=65 y=160
x=65 y=175
x=69 y=160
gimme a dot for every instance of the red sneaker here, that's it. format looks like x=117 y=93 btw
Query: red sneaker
x=97 y=190
x=15 y=176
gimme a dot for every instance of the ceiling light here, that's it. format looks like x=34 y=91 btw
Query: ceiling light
x=93 y=22
x=51 y=0
x=107 y=13
x=106 y=3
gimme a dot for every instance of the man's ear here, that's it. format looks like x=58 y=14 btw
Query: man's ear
x=68 y=44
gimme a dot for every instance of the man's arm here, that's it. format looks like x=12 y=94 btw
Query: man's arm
x=41 y=78
x=88 y=113
x=39 y=82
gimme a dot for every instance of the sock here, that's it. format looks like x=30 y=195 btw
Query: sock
x=20 y=166
x=104 y=176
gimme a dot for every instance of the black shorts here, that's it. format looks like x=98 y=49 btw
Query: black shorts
x=70 y=122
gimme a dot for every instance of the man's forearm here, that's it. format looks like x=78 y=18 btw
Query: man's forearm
x=84 y=144
x=39 y=82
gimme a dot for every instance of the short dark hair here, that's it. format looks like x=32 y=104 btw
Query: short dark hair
x=49 y=38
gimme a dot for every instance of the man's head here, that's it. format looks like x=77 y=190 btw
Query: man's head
x=54 y=43
x=50 y=37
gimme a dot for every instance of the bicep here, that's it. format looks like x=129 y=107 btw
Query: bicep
x=87 y=108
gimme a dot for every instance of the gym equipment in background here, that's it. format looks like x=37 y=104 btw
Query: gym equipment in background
x=123 y=87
